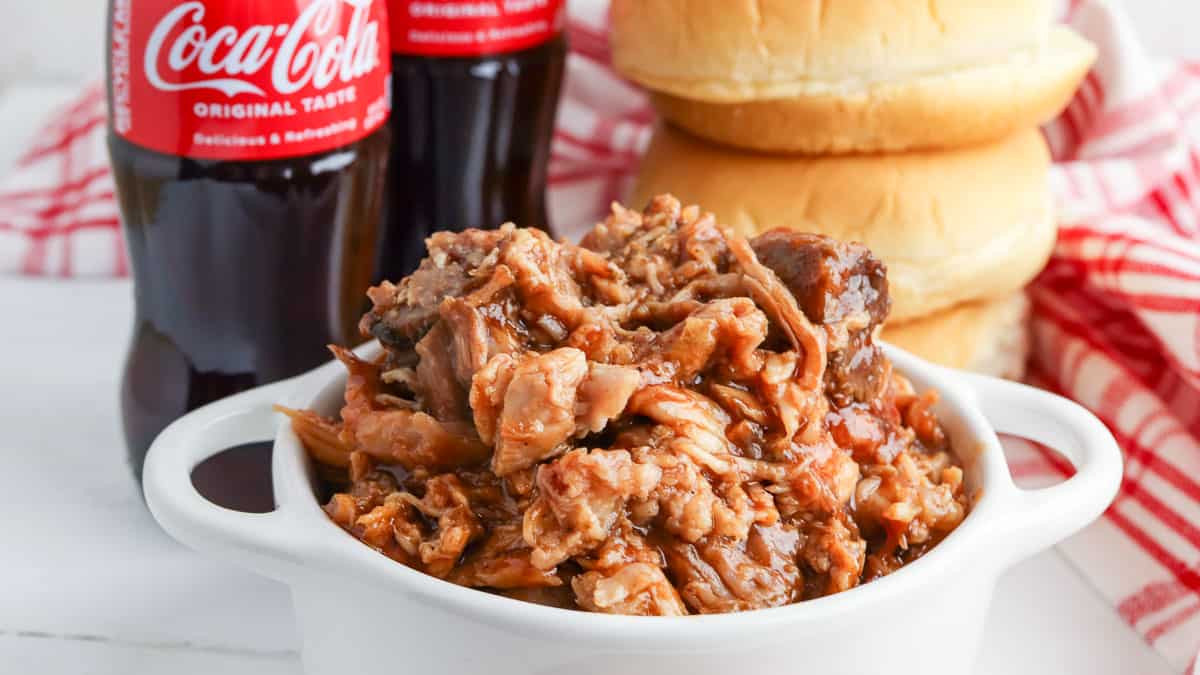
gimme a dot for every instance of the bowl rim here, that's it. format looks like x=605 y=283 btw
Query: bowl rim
x=325 y=550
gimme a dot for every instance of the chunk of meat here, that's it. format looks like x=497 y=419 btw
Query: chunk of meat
x=633 y=238
x=858 y=373
x=795 y=405
x=604 y=281
x=399 y=436
x=703 y=245
x=320 y=436
x=857 y=430
x=697 y=422
x=835 y=553
x=470 y=339
x=488 y=387
x=476 y=331
x=739 y=403
x=605 y=342
x=529 y=406
x=777 y=300
x=914 y=500
x=638 y=589
x=402 y=313
x=415 y=439
x=843 y=287
x=391 y=527
x=447 y=503
x=487 y=390
x=387 y=519
x=687 y=504
x=579 y=498
x=811 y=481
x=718 y=575
x=502 y=561
x=365 y=493
x=662 y=248
x=538 y=413
x=625 y=576
x=832 y=281
x=436 y=385
x=919 y=416
x=543 y=277
x=726 y=331
x=603 y=395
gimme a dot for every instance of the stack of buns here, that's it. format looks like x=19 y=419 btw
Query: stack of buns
x=908 y=125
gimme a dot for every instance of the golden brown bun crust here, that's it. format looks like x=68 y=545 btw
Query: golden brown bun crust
x=951 y=225
x=942 y=111
x=738 y=50
x=987 y=336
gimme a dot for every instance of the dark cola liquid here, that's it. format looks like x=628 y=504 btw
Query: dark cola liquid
x=243 y=272
x=470 y=145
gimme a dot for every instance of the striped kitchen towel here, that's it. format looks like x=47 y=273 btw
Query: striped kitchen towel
x=1116 y=314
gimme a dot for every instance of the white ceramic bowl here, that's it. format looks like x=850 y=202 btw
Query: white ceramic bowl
x=359 y=612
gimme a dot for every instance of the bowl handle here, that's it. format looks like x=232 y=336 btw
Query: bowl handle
x=263 y=542
x=1042 y=518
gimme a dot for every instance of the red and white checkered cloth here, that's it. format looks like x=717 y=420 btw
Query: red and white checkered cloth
x=1117 y=313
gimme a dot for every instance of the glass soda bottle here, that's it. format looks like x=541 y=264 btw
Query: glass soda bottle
x=249 y=148
x=476 y=90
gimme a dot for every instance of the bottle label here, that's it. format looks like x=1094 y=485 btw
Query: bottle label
x=248 y=80
x=472 y=27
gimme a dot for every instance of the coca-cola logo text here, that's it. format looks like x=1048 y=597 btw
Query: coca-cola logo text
x=182 y=53
x=247 y=79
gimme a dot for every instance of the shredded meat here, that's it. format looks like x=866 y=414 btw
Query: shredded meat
x=640 y=589
x=579 y=499
x=666 y=419
x=843 y=288
x=730 y=575
x=527 y=407
x=456 y=263
x=537 y=413
x=728 y=329
x=503 y=561
x=400 y=435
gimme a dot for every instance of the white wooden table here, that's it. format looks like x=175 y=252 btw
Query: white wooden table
x=89 y=584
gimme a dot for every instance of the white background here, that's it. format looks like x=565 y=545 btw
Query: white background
x=63 y=39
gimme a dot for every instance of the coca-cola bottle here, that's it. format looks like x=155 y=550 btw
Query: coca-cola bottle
x=249 y=149
x=476 y=90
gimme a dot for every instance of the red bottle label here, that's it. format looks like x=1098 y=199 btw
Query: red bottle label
x=248 y=79
x=472 y=27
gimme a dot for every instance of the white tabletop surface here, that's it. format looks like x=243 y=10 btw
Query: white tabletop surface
x=89 y=584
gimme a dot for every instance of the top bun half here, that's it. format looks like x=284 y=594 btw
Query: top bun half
x=742 y=50
x=845 y=76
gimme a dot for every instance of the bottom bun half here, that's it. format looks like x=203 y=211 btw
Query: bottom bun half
x=990 y=337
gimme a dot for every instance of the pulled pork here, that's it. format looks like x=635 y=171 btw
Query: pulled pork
x=665 y=419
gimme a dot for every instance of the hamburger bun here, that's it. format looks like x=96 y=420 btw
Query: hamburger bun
x=951 y=226
x=990 y=337
x=813 y=76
